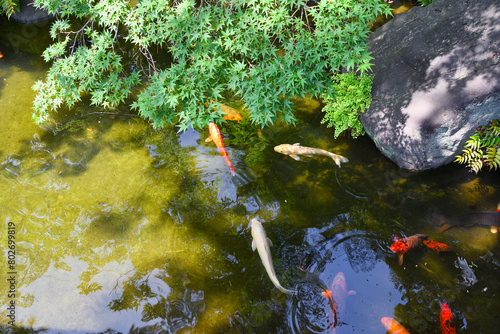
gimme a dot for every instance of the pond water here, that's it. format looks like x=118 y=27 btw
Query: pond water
x=120 y=228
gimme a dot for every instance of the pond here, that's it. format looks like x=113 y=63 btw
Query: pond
x=120 y=228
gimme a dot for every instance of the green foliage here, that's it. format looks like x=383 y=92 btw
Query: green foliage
x=482 y=149
x=425 y=2
x=263 y=51
x=351 y=96
x=96 y=70
x=8 y=7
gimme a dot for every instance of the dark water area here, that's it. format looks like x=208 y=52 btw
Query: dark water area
x=123 y=229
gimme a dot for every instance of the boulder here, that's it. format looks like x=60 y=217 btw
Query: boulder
x=437 y=79
x=29 y=14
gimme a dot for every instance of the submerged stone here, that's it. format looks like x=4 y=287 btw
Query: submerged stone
x=437 y=79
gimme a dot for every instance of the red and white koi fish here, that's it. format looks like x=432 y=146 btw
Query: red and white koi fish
x=402 y=245
x=337 y=297
x=217 y=138
x=446 y=319
x=393 y=327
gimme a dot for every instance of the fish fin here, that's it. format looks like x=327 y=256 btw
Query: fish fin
x=400 y=259
x=296 y=144
x=296 y=157
x=209 y=139
x=309 y=156
x=270 y=242
x=351 y=293
x=254 y=245
x=327 y=294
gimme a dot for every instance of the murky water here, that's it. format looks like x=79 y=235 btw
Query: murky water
x=119 y=228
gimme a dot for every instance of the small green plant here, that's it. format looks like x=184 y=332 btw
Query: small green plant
x=424 y=3
x=482 y=149
x=8 y=6
x=351 y=96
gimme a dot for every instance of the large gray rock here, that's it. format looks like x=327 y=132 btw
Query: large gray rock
x=437 y=79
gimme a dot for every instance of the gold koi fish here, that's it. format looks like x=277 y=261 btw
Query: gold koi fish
x=295 y=150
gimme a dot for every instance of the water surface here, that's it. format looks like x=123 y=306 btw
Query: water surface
x=121 y=228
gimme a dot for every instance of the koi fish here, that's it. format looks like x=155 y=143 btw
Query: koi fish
x=295 y=150
x=437 y=246
x=393 y=327
x=328 y=295
x=446 y=319
x=231 y=113
x=337 y=297
x=402 y=245
x=488 y=218
x=217 y=138
x=1 y=55
x=262 y=243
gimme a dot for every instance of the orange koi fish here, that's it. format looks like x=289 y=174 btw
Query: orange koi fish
x=402 y=245
x=393 y=327
x=446 y=319
x=337 y=296
x=231 y=113
x=217 y=138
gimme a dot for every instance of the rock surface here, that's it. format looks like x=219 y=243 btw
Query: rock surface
x=437 y=79
x=29 y=14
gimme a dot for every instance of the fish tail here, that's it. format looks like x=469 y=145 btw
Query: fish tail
x=288 y=292
x=228 y=162
x=338 y=159
x=282 y=289
x=437 y=246
x=441 y=224
x=442 y=228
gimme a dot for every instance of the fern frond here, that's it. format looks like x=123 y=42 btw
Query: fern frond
x=493 y=157
x=494 y=128
x=476 y=165
x=8 y=6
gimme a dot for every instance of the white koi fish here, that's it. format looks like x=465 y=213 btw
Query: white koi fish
x=261 y=242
